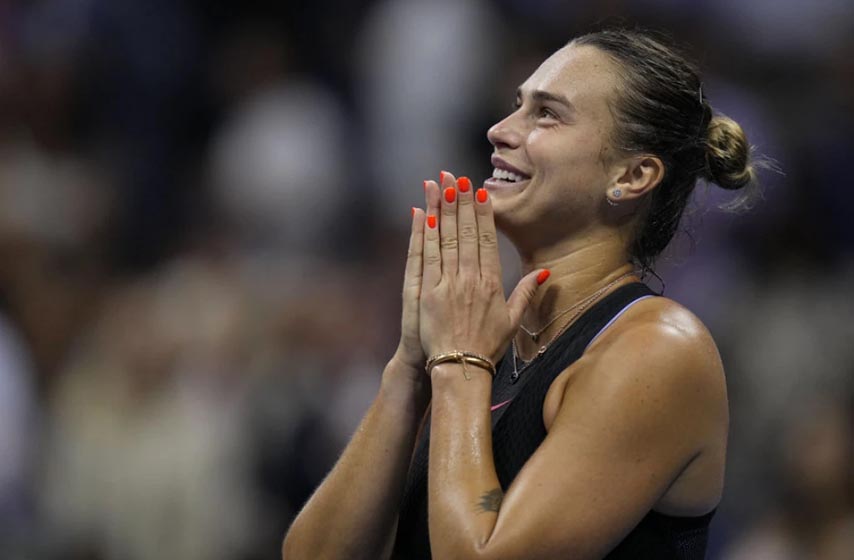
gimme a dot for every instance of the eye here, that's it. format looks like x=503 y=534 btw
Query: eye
x=546 y=113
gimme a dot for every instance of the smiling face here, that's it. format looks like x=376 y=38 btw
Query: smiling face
x=555 y=149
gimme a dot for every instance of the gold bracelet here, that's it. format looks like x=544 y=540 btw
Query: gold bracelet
x=464 y=358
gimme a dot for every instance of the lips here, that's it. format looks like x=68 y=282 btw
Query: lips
x=499 y=164
x=505 y=175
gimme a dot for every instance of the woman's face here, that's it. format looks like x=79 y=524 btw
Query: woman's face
x=557 y=141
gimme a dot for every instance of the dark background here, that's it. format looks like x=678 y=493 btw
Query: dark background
x=203 y=222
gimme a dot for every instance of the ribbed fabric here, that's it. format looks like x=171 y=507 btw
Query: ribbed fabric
x=517 y=431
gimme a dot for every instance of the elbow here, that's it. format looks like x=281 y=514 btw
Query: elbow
x=301 y=545
x=464 y=551
x=290 y=549
x=286 y=548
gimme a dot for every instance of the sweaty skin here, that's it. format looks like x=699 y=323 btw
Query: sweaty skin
x=639 y=423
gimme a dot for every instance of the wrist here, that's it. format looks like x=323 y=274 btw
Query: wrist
x=405 y=384
x=458 y=372
x=466 y=360
x=399 y=367
x=407 y=359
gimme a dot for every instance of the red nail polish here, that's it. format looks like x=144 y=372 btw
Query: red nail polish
x=450 y=194
x=413 y=211
x=441 y=178
x=425 y=185
x=481 y=195
x=543 y=276
x=431 y=222
x=464 y=184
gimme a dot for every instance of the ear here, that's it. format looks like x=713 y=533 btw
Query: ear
x=637 y=176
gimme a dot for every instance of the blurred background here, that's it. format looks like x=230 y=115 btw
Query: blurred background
x=204 y=213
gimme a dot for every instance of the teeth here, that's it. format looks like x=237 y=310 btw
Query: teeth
x=506 y=175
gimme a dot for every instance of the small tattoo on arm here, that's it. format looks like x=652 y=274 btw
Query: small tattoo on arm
x=490 y=501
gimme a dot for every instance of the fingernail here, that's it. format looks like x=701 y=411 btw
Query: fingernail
x=464 y=184
x=450 y=194
x=481 y=195
x=413 y=211
x=543 y=276
x=441 y=177
x=425 y=185
x=431 y=222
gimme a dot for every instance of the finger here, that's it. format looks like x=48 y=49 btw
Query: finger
x=432 y=259
x=432 y=197
x=412 y=284
x=414 y=256
x=490 y=262
x=448 y=223
x=467 y=229
x=523 y=294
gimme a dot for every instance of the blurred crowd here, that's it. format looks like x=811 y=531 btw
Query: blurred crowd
x=203 y=223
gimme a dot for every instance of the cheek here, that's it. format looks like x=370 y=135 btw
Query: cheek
x=576 y=157
x=575 y=166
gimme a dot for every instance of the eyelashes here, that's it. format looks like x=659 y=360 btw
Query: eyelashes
x=542 y=111
x=546 y=113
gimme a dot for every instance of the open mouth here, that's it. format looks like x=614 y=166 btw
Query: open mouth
x=504 y=176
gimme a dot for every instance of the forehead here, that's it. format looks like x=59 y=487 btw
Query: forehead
x=584 y=74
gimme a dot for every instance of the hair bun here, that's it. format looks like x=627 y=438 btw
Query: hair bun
x=728 y=154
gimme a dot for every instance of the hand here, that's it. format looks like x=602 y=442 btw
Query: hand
x=410 y=352
x=462 y=304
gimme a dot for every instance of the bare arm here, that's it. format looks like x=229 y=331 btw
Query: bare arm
x=631 y=419
x=353 y=513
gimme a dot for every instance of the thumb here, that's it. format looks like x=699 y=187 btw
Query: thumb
x=523 y=294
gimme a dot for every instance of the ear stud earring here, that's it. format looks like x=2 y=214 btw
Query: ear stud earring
x=616 y=193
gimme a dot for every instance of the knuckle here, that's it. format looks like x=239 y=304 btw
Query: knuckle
x=491 y=284
x=468 y=283
x=412 y=287
x=468 y=232
x=450 y=242
x=432 y=259
x=488 y=239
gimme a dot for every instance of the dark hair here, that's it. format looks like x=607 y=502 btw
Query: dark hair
x=662 y=110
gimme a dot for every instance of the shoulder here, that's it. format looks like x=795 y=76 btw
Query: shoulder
x=658 y=362
x=659 y=332
x=644 y=410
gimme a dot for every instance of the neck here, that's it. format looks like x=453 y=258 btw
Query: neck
x=576 y=273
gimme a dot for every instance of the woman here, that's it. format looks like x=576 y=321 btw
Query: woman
x=603 y=432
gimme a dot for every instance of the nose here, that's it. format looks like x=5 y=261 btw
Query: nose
x=505 y=133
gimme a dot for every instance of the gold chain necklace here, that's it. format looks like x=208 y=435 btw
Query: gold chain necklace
x=580 y=307
x=536 y=335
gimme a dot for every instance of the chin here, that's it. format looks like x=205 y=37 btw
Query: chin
x=504 y=195
x=511 y=229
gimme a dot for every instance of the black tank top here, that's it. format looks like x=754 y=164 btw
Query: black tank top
x=517 y=431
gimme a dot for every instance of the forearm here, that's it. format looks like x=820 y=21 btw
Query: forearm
x=464 y=492
x=352 y=513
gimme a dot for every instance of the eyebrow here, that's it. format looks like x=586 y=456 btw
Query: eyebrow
x=540 y=95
